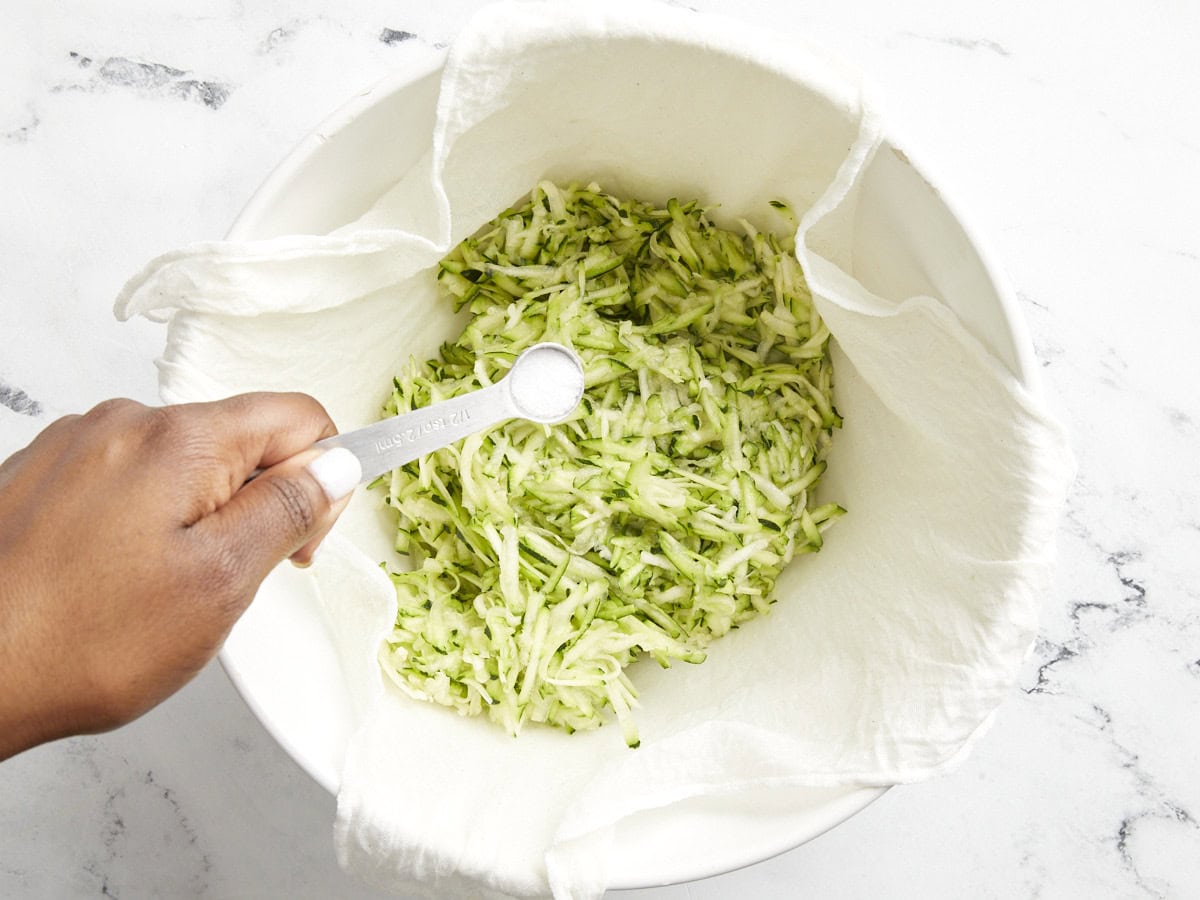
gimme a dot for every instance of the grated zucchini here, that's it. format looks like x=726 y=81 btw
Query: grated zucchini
x=547 y=559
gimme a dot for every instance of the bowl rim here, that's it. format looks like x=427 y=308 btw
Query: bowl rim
x=1027 y=372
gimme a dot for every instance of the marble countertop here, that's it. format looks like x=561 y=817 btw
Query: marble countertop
x=1071 y=135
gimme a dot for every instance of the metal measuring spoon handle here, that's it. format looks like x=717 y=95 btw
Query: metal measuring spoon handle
x=545 y=384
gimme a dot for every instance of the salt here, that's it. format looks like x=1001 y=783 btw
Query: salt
x=546 y=382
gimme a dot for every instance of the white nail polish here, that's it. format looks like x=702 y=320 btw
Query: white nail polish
x=337 y=471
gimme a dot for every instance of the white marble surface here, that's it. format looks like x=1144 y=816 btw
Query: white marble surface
x=1070 y=133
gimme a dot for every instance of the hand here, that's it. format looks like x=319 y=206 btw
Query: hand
x=130 y=543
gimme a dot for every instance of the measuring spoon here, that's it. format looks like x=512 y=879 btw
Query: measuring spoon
x=544 y=385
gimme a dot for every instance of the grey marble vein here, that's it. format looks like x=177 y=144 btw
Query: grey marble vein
x=393 y=36
x=1181 y=421
x=1129 y=605
x=1135 y=589
x=1053 y=654
x=14 y=876
x=191 y=863
x=964 y=43
x=277 y=38
x=1046 y=345
x=154 y=78
x=18 y=401
x=24 y=132
x=1156 y=806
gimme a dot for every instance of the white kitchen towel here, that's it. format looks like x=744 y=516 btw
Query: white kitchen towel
x=889 y=650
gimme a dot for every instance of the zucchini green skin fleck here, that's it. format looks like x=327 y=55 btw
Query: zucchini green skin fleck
x=656 y=519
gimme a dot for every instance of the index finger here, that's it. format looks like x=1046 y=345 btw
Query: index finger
x=262 y=429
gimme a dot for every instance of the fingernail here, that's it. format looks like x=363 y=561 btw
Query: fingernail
x=312 y=558
x=337 y=471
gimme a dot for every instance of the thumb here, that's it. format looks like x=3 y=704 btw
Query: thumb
x=285 y=508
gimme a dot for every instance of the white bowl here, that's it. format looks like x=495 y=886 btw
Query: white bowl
x=333 y=176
